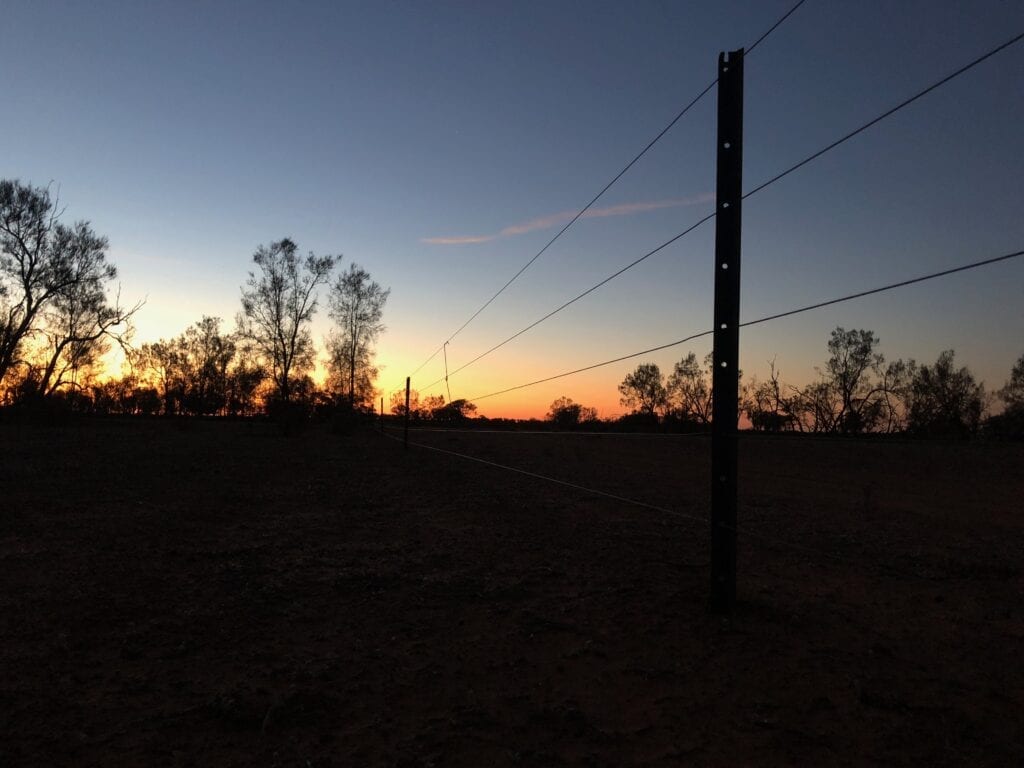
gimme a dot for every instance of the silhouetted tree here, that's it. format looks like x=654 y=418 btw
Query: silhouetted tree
x=430 y=405
x=202 y=372
x=944 y=401
x=768 y=409
x=454 y=412
x=205 y=355
x=125 y=395
x=815 y=407
x=1013 y=392
x=398 y=403
x=891 y=411
x=1010 y=423
x=357 y=306
x=160 y=363
x=80 y=326
x=52 y=285
x=857 y=392
x=567 y=414
x=643 y=390
x=245 y=378
x=689 y=389
x=278 y=303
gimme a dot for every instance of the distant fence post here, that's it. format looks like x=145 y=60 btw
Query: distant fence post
x=406 y=411
x=382 y=415
x=725 y=379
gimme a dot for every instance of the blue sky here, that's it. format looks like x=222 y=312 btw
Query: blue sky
x=189 y=133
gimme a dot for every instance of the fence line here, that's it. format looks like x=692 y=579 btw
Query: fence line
x=746 y=532
x=556 y=481
x=555 y=432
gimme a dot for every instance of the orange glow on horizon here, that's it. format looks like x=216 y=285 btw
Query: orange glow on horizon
x=594 y=389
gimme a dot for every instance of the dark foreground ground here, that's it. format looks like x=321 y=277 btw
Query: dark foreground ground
x=218 y=594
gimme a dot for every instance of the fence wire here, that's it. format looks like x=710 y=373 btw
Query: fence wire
x=773 y=540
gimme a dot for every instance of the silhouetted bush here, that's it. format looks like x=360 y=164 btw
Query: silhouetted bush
x=1008 y=425
x=637 y=422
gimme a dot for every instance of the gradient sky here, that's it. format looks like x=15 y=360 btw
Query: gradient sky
x=440 y=145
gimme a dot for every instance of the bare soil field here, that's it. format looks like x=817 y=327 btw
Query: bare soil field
x=207 y=593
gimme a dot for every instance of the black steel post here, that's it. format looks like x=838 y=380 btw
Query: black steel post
x=406 y=411
x=725 y=379
x=382 y=415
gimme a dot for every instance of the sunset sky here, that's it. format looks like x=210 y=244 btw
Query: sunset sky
x=441 y=145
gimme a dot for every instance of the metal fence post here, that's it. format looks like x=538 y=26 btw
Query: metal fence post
x=725 y=379
x=407 y=411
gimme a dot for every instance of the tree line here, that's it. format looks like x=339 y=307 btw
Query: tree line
x=60 y=314
x=431 y=408
x=857 y=391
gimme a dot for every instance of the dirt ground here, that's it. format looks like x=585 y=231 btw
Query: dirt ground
x=206 y=593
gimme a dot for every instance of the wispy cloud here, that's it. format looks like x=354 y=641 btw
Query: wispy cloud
x=559 y=219
x=457 y=240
